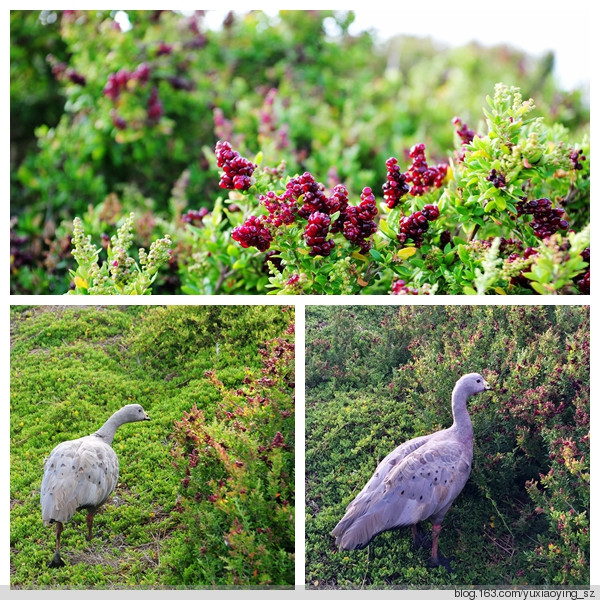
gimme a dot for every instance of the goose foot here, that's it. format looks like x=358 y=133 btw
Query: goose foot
x=56 y=561
x=441 y=561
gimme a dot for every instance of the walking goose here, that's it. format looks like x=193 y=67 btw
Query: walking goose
x=417 y=481
x=82 y=473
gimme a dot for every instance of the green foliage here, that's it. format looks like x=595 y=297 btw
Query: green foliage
x=71 y=368
x=119 y=273
x=302 y=99
x=523 y=517
x=238 y=466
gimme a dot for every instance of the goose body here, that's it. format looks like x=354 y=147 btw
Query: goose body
x=82 y=474
x=417 y=481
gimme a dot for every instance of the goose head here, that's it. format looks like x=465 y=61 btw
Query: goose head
x=472 y=383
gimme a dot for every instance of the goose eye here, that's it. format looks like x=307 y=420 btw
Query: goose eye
x=479 y=381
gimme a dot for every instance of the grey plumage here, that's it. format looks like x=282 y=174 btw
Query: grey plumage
x=417 y=481
x=82 y=473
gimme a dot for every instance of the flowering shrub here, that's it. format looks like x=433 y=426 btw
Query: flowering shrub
x=237 y=469
x=141 y=125
x=473 y=236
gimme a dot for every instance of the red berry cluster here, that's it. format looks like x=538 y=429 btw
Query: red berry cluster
x=576 y=157
x=154 y=106
x=316 y=232
x=253 y=233
x=546 y=220
x=237 y=170
x=61 y=71
x=464 y=133
x=395 y=187
x=498 y=180
x=399 y=288
x=312 y=193
x=583 y=282
x=359 y=221
x=194 y=216
x=282 y=209
x=520 y=279
x=415 y=225
x=164 y=49
x=116 y=83
x=338 y=202
x=421 y=175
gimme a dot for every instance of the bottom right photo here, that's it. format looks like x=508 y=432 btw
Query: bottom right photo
x=447 y=446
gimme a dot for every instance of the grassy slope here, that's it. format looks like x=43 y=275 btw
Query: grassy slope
x=71 y=368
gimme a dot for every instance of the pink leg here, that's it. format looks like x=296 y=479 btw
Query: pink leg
x=437 y=559
x=57 y=561
x=435 y=534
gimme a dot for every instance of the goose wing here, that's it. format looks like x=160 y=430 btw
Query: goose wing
x=77 y=474
x=421 y=485
x=373 y=488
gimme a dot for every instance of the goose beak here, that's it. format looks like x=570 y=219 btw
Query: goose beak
x=146 y=417
x=487 y=386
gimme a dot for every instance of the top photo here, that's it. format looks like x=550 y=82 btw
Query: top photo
x=424 y=151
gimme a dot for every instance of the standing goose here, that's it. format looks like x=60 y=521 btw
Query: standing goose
x=82 y=473
x=418 y=480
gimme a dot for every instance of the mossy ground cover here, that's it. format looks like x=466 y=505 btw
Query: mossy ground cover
x=72 y=367
x=378 y=376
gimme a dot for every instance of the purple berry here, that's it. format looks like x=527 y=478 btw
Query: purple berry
x=253 y=233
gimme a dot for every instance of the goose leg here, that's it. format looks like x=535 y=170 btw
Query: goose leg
x=90 y=523
x=437 y=559
x=420 y=539
x=57 y=561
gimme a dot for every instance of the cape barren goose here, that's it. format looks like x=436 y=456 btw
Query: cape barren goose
x=417 y=481
x=82 y=473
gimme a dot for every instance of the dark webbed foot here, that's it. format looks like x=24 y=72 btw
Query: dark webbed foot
x=441 y=561
x=56 y=561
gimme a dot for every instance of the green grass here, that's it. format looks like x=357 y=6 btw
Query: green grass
x=71 y=368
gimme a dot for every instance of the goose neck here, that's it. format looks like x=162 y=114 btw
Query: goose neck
x=108 y=430
x=462 y=421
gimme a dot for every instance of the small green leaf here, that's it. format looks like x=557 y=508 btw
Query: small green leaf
x=538 y=287
x=376 y=255
x=463 y=254
x=469 y=291
x=385 y=228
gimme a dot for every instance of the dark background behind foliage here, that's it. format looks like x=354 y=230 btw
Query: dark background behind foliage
x=377 y=376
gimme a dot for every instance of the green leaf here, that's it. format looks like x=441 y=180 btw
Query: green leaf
x=385 y=228
x=463 y=254
x=490 y=206
x=490 y=192
x=376 y=255
x=469 y=291
x=538 y=287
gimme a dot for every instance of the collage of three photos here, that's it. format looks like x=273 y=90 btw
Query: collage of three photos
x=233 y=431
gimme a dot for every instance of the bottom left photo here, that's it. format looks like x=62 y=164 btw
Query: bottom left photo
x=151 y=447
